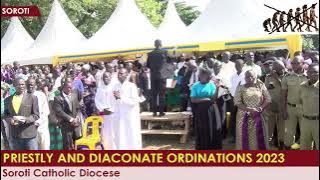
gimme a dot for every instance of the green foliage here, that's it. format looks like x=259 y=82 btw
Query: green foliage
x=187 y=13
x=89 y=15
x=310 y=41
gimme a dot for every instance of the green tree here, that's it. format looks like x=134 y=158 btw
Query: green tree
x=187 y=13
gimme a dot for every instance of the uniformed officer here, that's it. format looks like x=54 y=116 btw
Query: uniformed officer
x=273 y=112
x=292 y=110
x=309 y=96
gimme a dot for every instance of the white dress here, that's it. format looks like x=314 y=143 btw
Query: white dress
x=127 y=125
x=104 y=100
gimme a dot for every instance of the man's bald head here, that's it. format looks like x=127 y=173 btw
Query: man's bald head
x=106 y=77
x=31 y=85
x=297 y=63
x=313 y=72
x=158 y=43
x=122 y=74
x=226 y=56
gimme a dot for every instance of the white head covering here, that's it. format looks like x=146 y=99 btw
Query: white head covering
x=86 y=67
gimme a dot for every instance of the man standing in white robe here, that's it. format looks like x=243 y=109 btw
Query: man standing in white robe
x=127 y=124
x=104 y=100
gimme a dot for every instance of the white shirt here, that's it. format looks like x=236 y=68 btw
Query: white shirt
x=98 y=76
x=57 y=83
x=68 y=99
x=194 y=78
x=44 y=110
x=149 y=80
x=237 y=79
x=254 y=67
x=227 y=70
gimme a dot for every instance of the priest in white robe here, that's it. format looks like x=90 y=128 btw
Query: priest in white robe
x=127 y=123
x=104 y=100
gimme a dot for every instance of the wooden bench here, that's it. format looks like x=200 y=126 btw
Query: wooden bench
x=170 y=116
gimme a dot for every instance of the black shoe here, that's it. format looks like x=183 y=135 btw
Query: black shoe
x=154 y=114
x=281 y=146
x=162 y=114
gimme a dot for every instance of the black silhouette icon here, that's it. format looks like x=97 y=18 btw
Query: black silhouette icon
x=290 y=17
x=298 y=20
x=282 y=21
x=267 y=25
x=275 y=22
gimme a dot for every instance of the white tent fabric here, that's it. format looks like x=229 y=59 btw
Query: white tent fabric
x=222 y=19
x=172 y=30
x=233 y=19
x=127 y=28
x=15 y=41
x=58 y=36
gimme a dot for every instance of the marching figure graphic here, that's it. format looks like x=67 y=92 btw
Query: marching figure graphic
x=289 y=19
x=267 y=25
x=298 y=20
x=275 y=21
x=313 y=17
x=282 y=21
x=305 y=17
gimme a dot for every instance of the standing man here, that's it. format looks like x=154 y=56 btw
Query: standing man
x=127 y=124
x=43 y=122
x=157 y=62
x=273 y=111
x=250 y=65
x=228 y=68
x=22 y=111
x=292 y=111
x=99 y=74
x=237 y=79
x=309 y=97
x=67 y=107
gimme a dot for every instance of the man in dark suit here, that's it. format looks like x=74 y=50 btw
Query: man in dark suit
x=67 y=107
x=21 y=111
x=157 y=63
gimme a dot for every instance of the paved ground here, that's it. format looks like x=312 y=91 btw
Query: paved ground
x=171 y=142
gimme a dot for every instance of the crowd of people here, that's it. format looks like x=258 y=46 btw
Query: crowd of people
x=271 y=99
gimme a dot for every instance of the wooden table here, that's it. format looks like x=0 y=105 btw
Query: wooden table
x=170 y=116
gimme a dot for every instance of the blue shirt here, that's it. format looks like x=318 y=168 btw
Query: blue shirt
x=199 y=90
x=77 y=84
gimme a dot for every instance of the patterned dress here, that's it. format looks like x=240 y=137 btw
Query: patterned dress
x=251 y=130
x=56 y=139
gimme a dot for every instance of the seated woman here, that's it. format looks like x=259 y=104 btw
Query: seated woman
x=207 y=117
x=251 y=99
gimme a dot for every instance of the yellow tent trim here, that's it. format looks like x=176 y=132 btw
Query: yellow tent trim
x=293 y=42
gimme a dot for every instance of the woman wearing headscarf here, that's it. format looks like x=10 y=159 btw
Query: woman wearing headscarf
x=207 y=118
x=251 y=99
